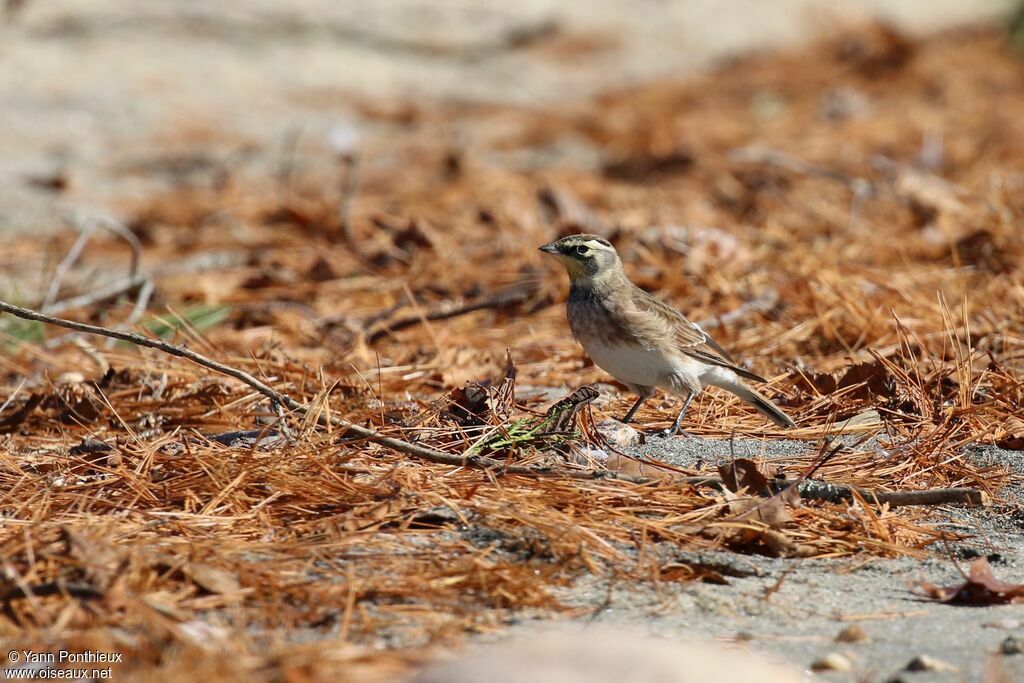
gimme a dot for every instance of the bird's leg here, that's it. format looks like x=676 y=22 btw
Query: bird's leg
x=674 y=429
x=629 y=416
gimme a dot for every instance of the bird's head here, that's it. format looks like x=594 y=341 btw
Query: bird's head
x=585 y=257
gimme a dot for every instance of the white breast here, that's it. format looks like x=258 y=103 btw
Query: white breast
x=643 y=367
x=632 y=364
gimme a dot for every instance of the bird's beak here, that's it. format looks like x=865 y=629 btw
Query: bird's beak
x=549 y=248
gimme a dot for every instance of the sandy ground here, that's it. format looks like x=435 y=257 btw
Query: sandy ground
x=815 y=601
x=794 y=609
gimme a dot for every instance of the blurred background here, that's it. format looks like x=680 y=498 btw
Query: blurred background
x=102 y=100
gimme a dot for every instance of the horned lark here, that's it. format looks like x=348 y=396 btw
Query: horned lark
x=641 y=341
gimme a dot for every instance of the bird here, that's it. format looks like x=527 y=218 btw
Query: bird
x=640 y=340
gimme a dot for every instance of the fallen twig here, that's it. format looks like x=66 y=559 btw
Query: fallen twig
x=771 y=157
x=513 y=295
x=399 y=445
x=75 y=590
x=198 y=263
x=821 y=490
x=814 y=489
x=85 y=234
x=99 y=295
x=18 y=416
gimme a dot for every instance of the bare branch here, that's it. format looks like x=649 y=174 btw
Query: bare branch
x=399 y=445
x=128 y=236
x=88 y=227
x=511 y=296
x=109 y=291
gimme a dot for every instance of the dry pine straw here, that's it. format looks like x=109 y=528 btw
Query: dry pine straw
x=898 y=289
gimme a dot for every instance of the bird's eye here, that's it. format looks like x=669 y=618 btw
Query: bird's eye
x=581 y=250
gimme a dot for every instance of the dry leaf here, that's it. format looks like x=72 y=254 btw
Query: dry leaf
x=633 y=466
x=100 y=561
x=867 y=419
x=772 y=512
x=980 y=588
x=873 y=377
x=742 y=474
x=758 y=539
x=985 y=250
x=1011 y=435
x=13 y=420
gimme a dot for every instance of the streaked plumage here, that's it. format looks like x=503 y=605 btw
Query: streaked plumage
x=640 y=340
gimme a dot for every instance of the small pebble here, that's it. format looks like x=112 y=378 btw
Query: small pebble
x=619 y=434
x=929 y=663
x=1012 y=645
x=1005 y=624
x=852 y=634
x=833 y=661
x=591 y=456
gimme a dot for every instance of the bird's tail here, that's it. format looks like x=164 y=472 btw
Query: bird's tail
x=762 y=403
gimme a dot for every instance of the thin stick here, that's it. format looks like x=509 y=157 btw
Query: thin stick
x=199 y=263
x=141 y=303
x=114 y=289
x=65 y=263
x=425 y=453
x=788 y=162
x=349 y=190
x=506 y=298
x=59 y=587
x=128 y=236
x=85 y=234
x=813 y=489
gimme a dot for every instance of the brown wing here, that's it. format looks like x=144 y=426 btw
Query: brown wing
x=689 y=338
